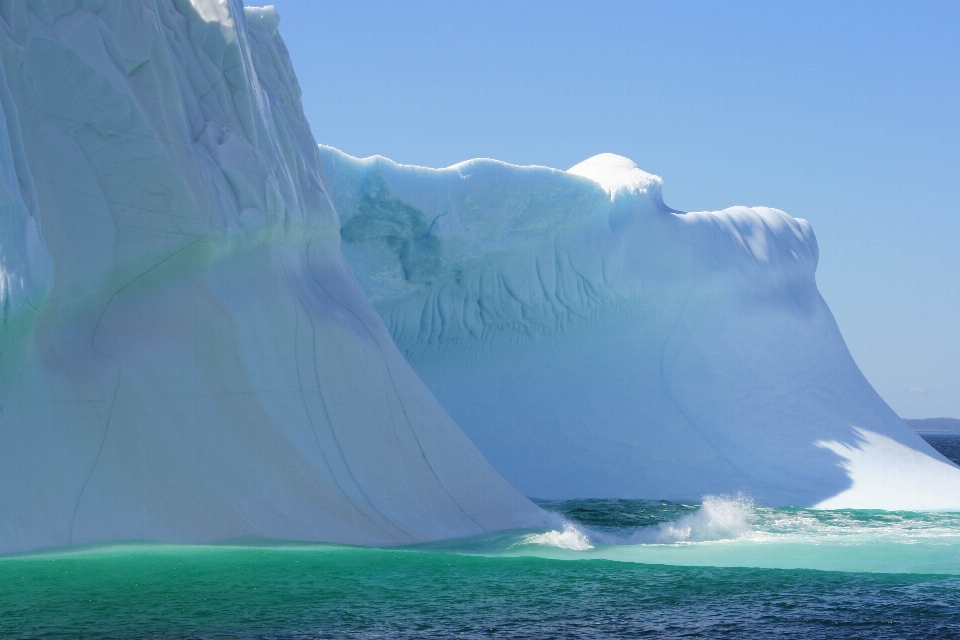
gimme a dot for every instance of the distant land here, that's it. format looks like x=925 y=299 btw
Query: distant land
x=935 y=425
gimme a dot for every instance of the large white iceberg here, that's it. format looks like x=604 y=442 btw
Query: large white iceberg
x=184 y=355
x=595 y=343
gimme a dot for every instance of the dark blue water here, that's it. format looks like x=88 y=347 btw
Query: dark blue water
x=948 y=445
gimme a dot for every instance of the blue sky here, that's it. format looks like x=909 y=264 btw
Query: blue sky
x=844 y=113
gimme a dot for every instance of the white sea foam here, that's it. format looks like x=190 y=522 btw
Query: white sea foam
x=720 y=518
x=570 y=538
x=733 y=532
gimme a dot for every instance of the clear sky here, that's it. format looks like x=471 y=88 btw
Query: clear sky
x=844 y=113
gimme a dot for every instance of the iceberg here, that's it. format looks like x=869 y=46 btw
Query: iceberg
x=184 y=355
x=594 y=342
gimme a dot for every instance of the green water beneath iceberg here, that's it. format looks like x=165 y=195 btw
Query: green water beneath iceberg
x=608 y=569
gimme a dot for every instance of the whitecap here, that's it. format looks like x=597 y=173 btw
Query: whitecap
x=719 y=518
x=571 y=538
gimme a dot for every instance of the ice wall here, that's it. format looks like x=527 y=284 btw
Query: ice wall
x=183 y=354
x=595 y=343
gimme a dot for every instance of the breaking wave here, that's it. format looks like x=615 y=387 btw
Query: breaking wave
x=718 y=518
x=570 y=538
x=726 y=531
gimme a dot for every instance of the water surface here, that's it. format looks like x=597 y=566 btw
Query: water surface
x=721 y=568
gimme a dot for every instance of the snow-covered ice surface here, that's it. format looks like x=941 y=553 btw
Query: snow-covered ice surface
x=184 y=355
x=595 y=343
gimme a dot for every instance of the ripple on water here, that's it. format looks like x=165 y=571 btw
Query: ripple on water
x=652 y=569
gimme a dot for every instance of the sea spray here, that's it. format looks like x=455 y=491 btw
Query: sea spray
x=734 y=532
x=718 y=518
x=570 y=538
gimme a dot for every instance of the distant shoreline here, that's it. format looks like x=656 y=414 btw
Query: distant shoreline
x=935 y=426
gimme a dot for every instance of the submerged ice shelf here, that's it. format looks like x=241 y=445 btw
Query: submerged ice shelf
x=594 y=342
x=184 y=355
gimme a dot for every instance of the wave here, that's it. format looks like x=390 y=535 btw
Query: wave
x=718 y=518
x=719 y=532
x=734 y=532
x=570 y=538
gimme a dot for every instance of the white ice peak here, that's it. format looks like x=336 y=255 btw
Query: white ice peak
x=615 y=173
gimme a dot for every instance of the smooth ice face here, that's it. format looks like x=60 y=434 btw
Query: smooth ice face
x=184 y=355
x=595 y=343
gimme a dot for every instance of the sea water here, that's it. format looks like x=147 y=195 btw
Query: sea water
x=722 y=567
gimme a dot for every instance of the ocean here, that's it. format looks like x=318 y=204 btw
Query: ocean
x=722 y=568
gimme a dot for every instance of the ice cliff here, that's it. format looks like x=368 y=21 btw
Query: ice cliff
x=184 y=355
x=595 y=343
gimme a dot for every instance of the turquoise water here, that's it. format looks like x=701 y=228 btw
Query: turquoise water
x=609 y=569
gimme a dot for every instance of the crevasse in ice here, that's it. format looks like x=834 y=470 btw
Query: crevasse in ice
x=184 y=355
x=595 y=343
